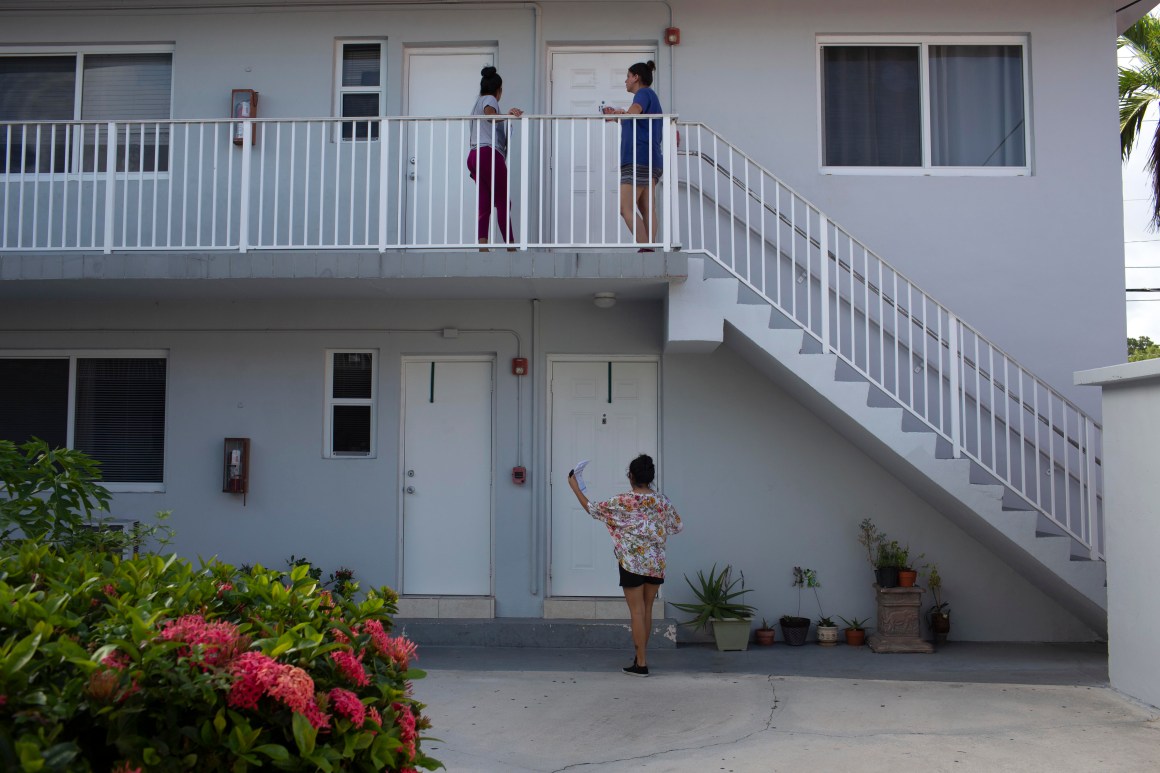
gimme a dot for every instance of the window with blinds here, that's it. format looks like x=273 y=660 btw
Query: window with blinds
x=40 y=91
x=360 y=88
x=350 y=402
x=118 y=410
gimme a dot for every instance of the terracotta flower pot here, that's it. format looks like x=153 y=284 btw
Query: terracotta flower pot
x=855 y=637
x=907 y=578
x=764 y=636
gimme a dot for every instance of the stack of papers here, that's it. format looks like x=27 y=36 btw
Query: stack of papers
x=578 y=474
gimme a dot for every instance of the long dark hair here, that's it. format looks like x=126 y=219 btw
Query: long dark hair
x=644 y=71
x=490 y=83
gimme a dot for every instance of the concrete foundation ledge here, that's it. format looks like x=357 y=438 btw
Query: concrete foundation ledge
x=532 y=632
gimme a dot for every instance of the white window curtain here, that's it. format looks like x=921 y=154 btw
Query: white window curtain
x=872 y=105
x=977 y=106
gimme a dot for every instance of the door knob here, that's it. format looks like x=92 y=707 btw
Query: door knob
x=410 y=489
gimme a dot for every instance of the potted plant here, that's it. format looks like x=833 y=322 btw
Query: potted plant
x=855 y=631
x=906 y=576
x=877 y=553
x=938 y=617
x=765 y=634
x=886 y=564
x=827 y=632
x=795 y=628
x=717 y=605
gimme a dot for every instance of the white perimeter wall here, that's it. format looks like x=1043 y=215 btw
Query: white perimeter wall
x=1035 y=262
x=761 y=482
x=1131 y=394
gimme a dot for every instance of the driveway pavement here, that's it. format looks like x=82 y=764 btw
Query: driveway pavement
x=968 y=707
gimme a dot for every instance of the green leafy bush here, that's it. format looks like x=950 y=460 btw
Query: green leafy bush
x=152 y=664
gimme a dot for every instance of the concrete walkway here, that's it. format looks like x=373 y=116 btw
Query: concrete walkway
x=969 y=707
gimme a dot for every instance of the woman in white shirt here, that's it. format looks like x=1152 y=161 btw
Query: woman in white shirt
x=487 y=160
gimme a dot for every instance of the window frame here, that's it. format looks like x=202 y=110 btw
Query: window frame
x=76 y=170
x=341 y=90
x=330 y=401
x=923 y=43
x=72 y=355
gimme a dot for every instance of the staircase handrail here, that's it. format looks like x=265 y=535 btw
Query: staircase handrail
x=1085 y=477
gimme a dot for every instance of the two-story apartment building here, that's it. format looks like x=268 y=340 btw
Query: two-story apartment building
x=889 y=234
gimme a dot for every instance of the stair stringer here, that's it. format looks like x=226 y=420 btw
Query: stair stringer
x=704 y=313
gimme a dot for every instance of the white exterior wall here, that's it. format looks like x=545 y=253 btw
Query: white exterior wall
x=765 y=485
x=1035 y=262
x=1131 y=394
x=256 y=369
x=761 y=482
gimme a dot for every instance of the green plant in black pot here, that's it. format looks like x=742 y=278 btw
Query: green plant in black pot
x=795 y=628
x=887 y=563
x=939 y=614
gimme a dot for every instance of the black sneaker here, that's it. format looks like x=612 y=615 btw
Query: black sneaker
x=635 y=670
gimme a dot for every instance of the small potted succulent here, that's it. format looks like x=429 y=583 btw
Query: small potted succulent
x=827 y=632
x=765 y=634
x=717 y=605
x=855 y=631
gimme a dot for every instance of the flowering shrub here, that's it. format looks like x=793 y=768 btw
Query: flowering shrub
x=152 y=664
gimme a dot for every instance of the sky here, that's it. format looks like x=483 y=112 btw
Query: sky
x=1141 y=245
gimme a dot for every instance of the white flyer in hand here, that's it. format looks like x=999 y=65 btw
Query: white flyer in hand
x=577 y=472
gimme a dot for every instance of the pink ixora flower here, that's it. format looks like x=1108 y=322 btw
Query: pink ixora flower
x=346 y=704
x=398 y=648
x=351 y=667
x=257 y=674
x=407 y=732
x=125 y=767
x=210 y=644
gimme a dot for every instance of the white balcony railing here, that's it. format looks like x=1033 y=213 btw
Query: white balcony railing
x=390 y=183
x=401 y=183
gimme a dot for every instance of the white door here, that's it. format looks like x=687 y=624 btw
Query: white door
x=440 y=194
x=447 y=471
x=587 y=154
x=586 y=424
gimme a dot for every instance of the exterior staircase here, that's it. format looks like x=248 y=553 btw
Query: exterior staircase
x=714 y=307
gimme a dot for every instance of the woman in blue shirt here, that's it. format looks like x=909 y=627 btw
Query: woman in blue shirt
x=640 y=154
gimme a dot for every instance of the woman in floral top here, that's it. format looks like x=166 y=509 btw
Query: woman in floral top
x=639 y=522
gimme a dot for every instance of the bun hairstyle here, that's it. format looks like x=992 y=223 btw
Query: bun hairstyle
x=644 y=71
x=642 y=471
x=490 y=83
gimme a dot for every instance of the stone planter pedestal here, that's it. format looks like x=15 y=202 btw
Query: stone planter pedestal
x=899 y=628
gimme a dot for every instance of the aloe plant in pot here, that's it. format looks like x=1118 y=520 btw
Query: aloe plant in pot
x=717 y=605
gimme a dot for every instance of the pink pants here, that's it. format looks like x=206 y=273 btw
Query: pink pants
x=489 y=170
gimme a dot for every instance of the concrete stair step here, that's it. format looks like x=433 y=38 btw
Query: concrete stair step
x=532 y=632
